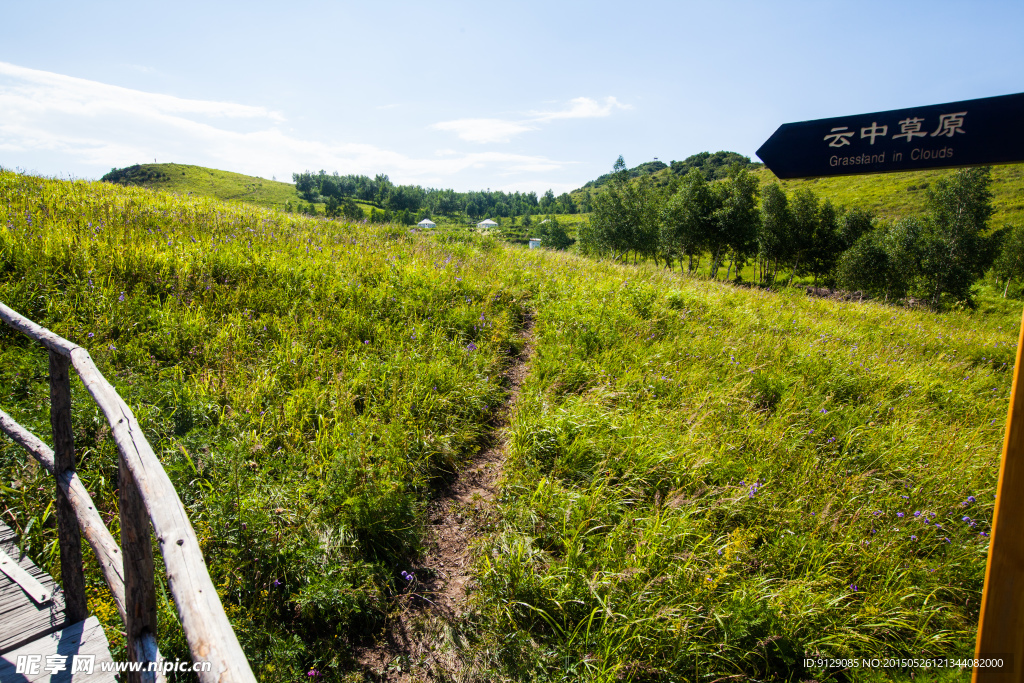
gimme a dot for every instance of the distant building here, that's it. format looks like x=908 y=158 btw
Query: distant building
x=486 y=224
x=534 y=242
x=427 y=223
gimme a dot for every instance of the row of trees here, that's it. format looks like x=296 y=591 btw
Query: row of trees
x=714 y=166
x=936 y=257
x=427 y=202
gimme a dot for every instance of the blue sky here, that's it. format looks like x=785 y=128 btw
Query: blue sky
x=469 y=95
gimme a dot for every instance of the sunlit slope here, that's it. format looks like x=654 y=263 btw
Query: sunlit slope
x=713 y=479
x=895 y=195
x=307 y=383
x=214 y=183
x=699 y=477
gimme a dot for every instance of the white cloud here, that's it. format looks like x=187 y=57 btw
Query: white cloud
x=104 y=126
x=501 y=130
x=31 y=90
x=583 y=108
x=483 y=130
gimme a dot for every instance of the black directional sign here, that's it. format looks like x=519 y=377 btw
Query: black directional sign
x=968 y=133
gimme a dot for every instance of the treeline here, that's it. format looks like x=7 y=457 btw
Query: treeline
x=134 y=175
x=935 y=258
x=418 y=202
x=714 y=166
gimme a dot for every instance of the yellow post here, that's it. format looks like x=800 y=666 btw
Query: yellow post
x=1001 y=627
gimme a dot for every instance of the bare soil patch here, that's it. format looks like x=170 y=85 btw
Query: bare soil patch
x=425 y=640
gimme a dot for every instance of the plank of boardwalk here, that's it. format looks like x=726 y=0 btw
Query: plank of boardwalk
x=95 y=531
x=28 y=583
x=23 y=619
x=78 y=653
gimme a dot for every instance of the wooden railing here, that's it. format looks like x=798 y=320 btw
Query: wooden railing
x=146 y=496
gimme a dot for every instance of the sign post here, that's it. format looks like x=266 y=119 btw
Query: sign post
x=1001 y=626
x=968 y=133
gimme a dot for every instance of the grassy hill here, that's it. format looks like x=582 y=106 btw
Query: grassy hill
x=893 y=195
x=213 y=183
x=699 y=477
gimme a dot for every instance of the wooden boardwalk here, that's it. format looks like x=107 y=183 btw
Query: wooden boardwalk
x=41 y=629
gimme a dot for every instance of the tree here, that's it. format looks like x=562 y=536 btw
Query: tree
x=1009 y=265
x=773 y=236
x=333 y=207
x=738 y=218
x=826 y=245
x=588 y=242
x=865 y=266
x=688 y=219
x=305 y=185
x=352 y=211
x=554 y=235
x=803 y=223
x=852 y=225
x=885 y=261
x=547 y=201
x=956 y=251
x=626 y=216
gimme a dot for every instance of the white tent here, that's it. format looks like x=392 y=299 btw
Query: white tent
x=487 y=224
x=427 y=223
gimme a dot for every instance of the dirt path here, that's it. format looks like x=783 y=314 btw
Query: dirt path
x=423 y=642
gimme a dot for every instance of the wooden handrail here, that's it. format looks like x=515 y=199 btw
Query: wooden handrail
x=207 y=629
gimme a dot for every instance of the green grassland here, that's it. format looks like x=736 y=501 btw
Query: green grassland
x=896 y=195
x=217 y=184
x=703 y=480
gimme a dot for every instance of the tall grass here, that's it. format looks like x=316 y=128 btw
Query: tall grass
x=707 y=481
x=702 y=481
x=306 y=383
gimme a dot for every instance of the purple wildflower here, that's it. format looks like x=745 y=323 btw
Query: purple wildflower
x=471 y=346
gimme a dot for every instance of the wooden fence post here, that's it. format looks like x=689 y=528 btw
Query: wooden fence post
x=1001 y=624
x=72 y=574
x=137 y=553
